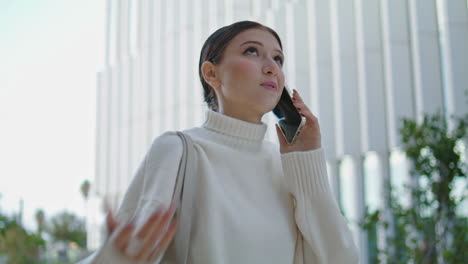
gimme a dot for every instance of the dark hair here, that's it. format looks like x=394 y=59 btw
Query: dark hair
x=214 y=48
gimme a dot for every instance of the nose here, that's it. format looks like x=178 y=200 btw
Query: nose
x=270 y=67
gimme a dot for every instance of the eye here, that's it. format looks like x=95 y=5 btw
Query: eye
x=279 y=59
x=251 y=49
x=254 y=51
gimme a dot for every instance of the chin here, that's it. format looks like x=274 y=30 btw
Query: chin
x=267 y=109
x=270 y=108
x=264 y=105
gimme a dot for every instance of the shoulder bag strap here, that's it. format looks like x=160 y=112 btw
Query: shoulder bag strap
x=183 y=197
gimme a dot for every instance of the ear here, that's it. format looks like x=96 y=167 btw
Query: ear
x=210 y=74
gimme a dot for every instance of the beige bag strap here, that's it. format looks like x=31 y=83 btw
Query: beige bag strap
x=184 y=197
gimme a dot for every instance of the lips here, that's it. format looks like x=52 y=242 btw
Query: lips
x=270 y=85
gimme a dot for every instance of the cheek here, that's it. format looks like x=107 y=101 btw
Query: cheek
x=239 y=74
x=240 y=69
x=281 y=79
x=245 y=69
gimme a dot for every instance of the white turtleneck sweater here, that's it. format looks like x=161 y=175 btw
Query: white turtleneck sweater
x=254 y=205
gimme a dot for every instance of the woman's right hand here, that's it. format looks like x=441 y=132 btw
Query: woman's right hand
x=152 y=231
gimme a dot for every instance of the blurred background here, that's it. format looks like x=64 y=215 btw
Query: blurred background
x=50 y=52
x=86 y=86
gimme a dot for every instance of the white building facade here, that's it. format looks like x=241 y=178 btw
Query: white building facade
x=361 y=66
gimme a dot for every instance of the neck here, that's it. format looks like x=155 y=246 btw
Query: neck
x=247 y=115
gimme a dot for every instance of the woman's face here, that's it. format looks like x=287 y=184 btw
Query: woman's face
x=252 y=58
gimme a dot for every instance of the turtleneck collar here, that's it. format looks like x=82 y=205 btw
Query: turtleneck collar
x=234 y=127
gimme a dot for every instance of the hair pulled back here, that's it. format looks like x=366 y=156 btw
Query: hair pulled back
x=213 y=51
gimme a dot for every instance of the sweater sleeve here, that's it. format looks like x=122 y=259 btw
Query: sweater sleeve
x=151 y=187
x=324 y=233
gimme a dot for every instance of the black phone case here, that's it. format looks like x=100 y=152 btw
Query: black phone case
x=289 y=118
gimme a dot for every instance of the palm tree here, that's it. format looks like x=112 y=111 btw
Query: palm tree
x=40 y=218
x=84 y=188
x=66 y=227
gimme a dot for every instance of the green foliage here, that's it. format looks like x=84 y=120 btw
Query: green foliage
x=84 y=188
x=15 y=242
x=40 y=220
x=67 y=227
x=428 y=231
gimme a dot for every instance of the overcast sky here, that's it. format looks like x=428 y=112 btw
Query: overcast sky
x=50 y=52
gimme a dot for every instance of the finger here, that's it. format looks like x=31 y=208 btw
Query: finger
x=165 y=241
x=305 y=111
x=158 y=219
x=111 y=222
x=155 y=234
x=169 y=235
x=281 y=138
x=149 y=223
x=296 y=96
x=122 y=239
x=300 y=105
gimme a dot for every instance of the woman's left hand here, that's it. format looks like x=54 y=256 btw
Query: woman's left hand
x=309 y=138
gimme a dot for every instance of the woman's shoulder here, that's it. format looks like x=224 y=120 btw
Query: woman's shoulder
x=167 y=145
x=169 y=141
x=165 y=140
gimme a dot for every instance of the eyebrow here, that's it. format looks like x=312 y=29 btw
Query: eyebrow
x=259 y=43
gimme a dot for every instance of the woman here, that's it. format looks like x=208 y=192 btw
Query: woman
x=255 y=203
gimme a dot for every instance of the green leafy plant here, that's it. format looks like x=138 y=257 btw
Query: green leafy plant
x=428 y=230
x=67 y=227
x=16 y=243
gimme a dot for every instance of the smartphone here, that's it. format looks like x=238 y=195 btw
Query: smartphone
x=289 y=119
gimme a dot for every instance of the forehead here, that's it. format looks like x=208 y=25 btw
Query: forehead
x=255 y=34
